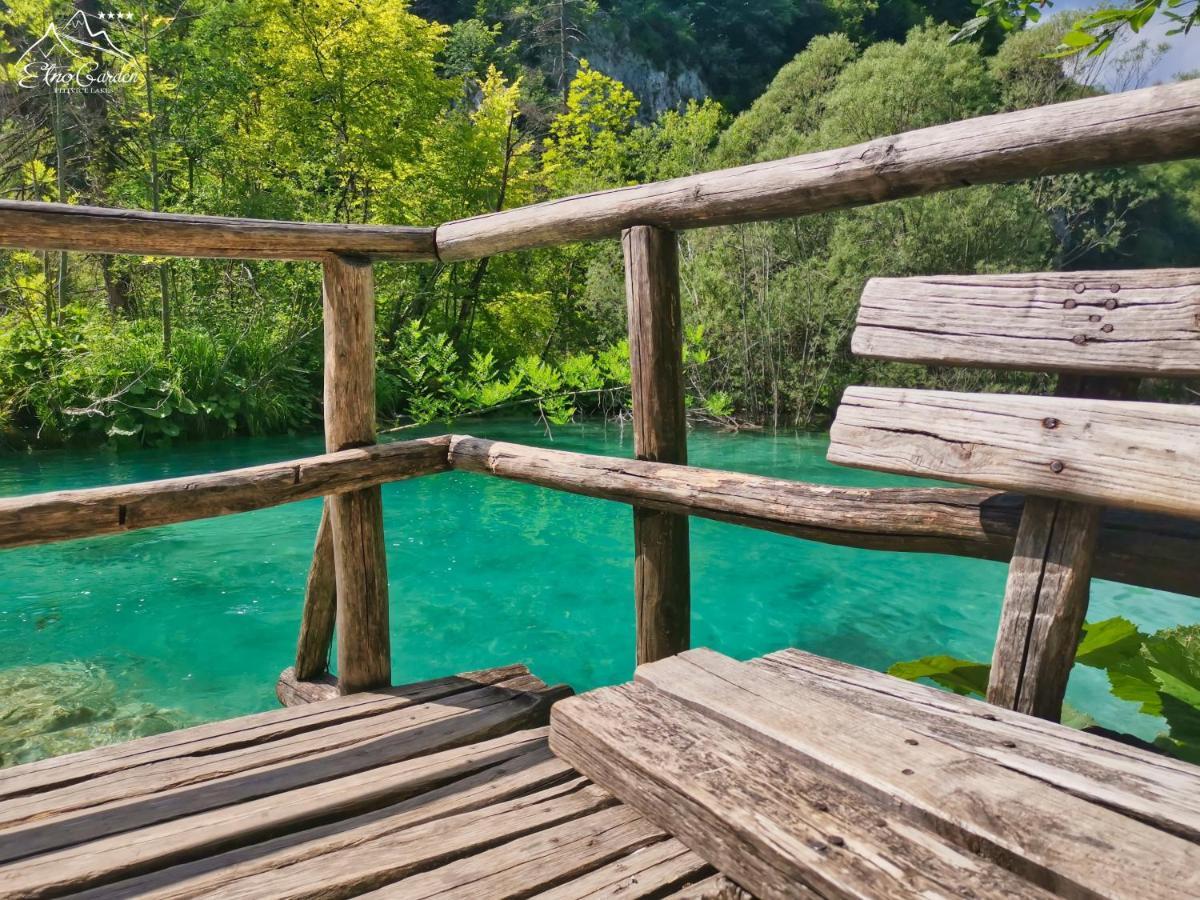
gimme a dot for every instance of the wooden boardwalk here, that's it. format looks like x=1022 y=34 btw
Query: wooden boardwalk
x=434 y=789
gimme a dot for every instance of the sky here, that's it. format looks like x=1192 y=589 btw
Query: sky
x=1182 y=56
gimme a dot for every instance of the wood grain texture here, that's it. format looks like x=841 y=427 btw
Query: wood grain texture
x=662 y=574
x=91 y=229
x=67 y=515
x=356 y=518
x=662 y=866
x=320 y=608
x=1149 y=125
x=1137 y=548
x=1138 y=455
x=776 y=825
x=1061 y=842
x=292 y=690
x=1144 y=785
x=1142 y=322
x=248 y=763
x=1045 y=602
x=57 y=772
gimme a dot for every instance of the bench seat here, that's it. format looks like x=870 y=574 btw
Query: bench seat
x=798 y=776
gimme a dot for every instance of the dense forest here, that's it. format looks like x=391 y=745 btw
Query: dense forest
x=382 y=111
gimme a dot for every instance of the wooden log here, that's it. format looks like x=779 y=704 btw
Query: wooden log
x=1139 y=455
x=1060 y=841
x=320 y=607
x=1049 y=580
x=781 y=827
x=1143 y=322
x=292 y=690
x=662 y=577
x=1136 y=548
x=359 y=557
x=91 y=229
x=1138 y=783
x=1150 y=125
x=68 y=515
x=1045 y=602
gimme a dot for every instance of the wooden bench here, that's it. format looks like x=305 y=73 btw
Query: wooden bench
x=798 y=776
x=431 y=789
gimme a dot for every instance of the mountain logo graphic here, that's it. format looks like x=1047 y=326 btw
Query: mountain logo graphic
x=69 y=56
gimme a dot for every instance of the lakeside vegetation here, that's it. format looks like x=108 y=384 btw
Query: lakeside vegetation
x=369 y=112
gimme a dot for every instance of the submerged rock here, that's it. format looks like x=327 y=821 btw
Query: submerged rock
x=56 y=708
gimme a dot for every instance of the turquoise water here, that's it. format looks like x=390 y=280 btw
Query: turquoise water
x=199 y=618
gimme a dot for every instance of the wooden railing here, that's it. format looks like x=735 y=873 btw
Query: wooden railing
x=348 y=579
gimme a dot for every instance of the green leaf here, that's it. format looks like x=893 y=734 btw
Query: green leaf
x=959 y=675
x=1077 y=40
x=1108 y=642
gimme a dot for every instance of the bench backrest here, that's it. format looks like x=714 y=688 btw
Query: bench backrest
x=1071 y=453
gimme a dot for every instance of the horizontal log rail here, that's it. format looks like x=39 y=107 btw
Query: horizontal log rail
x=1144 y=549
x=67 y=515
x=1151 y=125
x=93 y=229
x=1149 y=550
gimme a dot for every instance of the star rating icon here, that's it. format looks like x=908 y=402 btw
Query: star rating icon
x=116 y=17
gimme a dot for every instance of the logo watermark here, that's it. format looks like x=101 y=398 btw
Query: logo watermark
x=78 y=56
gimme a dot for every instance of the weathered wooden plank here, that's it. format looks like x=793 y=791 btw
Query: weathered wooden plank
x=242 y=870
x=1140 y=455
x=662 y=574
x=533 y=861
x=167 y=788
x=356 y=518
x=346 y=799
x=779 y=827
x=1045 y=602
x=1148 y=786
x=67 y=515
x=1062 y=842
x=92 y=229
x=204 y=740
x=1142 y=322
x=1150 y=125
x=647 y=872
x=1138 y=548
x=373 y=863
x=318 y=616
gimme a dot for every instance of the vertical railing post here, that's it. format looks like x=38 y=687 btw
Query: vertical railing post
x=356 y=517
x=662 y=580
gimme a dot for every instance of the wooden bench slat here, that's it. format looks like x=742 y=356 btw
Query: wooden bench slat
x=779 y=827
x=1061 y=841
x=1139 y=455
x=1143 y=322
x=1148 y=786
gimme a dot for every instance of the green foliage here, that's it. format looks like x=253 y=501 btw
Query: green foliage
x=958 y=675
x=91 y=380
x=1093 y=32
x=371 y=112
x=1159 y=672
